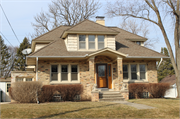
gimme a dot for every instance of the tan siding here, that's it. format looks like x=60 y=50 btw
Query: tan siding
x=72 y=43
x=111 y=42
x=39 y=46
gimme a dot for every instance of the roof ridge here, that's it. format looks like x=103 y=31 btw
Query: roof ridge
x=131 y=33
x=42 y=48
x=49 y=32
x=92 y=22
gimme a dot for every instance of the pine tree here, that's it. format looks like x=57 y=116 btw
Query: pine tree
x=5 y=56
x=20 y=61
x=166 y=67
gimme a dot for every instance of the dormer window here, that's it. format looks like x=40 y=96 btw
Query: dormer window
x=82 y=41
x=100 y=42
x=91 y=39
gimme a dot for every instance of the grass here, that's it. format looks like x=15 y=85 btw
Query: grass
x=165 y=108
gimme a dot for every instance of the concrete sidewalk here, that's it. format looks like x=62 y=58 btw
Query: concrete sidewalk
x=138 y=106
x=4 y=103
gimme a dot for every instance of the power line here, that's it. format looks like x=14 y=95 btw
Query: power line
x=6 y=39
x=9 y=23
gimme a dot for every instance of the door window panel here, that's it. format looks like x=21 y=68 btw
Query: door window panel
x=101 y=70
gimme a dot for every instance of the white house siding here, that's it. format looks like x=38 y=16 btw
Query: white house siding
x=172 y=92
x=5 y=94
x=72 y=43
x=39 y=46
x=111 y=42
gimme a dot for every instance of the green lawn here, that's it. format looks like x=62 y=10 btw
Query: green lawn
x=165 y=108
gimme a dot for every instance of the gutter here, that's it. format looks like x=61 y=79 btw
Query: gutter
x=144 y=57
x=160 y=63
x=58 y=56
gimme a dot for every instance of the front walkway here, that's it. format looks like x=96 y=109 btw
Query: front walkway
x=138 y=106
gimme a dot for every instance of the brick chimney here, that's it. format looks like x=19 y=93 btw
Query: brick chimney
x=100 y=20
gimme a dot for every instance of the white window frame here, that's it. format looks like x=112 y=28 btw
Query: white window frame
x=82 y=41
x=24 y=78
x=87 y=42
x=138 y=73
x=69 y=73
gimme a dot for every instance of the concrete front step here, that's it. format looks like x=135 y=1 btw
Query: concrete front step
x=110 y=96
x=111 y=99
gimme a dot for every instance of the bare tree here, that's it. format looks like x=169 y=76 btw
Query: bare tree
x=132 y=26
x=152 y=11
x=64 y=12
x=13 y=52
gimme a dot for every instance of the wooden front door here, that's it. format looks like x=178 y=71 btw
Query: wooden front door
x=102 y=75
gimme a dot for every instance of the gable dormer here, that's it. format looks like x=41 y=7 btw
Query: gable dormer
x=89 y=36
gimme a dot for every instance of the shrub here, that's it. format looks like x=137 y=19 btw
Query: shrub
x=68 y=92
x=156 y=90
x=46 y=93
x=25 y=92
x=10 y=93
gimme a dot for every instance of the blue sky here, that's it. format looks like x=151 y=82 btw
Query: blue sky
x=21 y=13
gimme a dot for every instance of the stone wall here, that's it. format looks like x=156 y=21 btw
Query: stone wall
x=22 y=74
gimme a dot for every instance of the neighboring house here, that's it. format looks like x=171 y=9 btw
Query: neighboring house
x=91 y=54
x=172 y=92
x=4 y=89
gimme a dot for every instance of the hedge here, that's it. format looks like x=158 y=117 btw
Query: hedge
x=156 y=90
x=27 y=92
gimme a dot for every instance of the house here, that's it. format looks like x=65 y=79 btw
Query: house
x=4 y=89
x=172 y=92
x=103 y=59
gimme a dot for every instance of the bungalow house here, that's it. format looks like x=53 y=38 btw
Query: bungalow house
x=172 y=92
x=103 y=59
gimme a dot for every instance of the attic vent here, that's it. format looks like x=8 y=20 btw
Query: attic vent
x=100 y=20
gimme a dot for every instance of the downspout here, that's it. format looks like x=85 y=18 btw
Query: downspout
x=36 y=68
x=160 y=63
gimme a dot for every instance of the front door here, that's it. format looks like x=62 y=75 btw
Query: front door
x=102 y=75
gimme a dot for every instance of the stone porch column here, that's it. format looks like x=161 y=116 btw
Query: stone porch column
x=91 y=69
x=119 y=73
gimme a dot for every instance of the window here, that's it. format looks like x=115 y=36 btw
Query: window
x=19 y=79
x=125 y=72
x=54 y=72
x=64 y=72
x=142 y=72
x=100 y=42
x=138 y=42
x=74 y=73
x=134 y=72
x=8 y=86
x=91 y=39
x=28 y=79
x=82 y=41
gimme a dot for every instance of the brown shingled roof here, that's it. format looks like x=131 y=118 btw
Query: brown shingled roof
x=90 y=26
x=169 y=79
x=53 y=34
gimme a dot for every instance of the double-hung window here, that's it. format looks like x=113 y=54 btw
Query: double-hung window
x=142 y=71
x=125 y=72
x=82 y=41
x=8 y=86
x=19 y=79
x=64 y=72
x=133 y=71
x=54 y=72
x=100 y=42
x=91 y=39
x=74 y=72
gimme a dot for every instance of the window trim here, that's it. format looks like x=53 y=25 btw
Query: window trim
x=69 y=73
x=138 y=73
x=87 y=42
x=24 y=79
